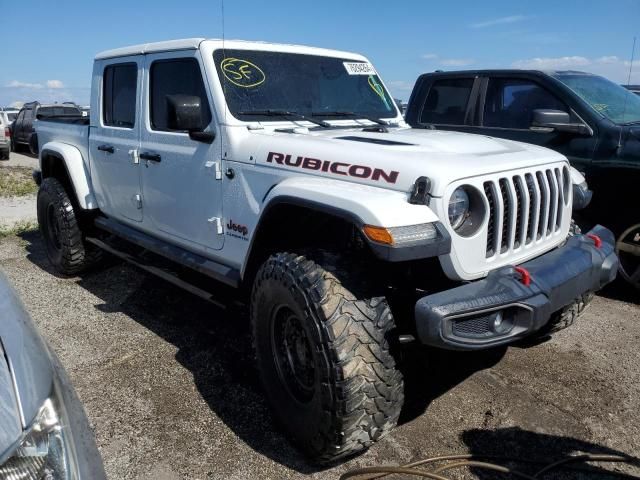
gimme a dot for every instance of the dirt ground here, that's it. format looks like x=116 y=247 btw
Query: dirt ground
x=169 y=384
x=17 y=190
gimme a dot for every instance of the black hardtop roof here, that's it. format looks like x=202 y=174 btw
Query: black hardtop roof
x=488 y=71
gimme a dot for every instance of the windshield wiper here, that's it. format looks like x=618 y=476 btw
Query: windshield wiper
x=353 y=115
x=285 y=113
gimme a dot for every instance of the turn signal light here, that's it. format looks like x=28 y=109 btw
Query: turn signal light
x=378 y=234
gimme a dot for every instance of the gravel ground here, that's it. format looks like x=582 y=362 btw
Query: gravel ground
x=169 y=385
x=18 y=209
x=21 y=159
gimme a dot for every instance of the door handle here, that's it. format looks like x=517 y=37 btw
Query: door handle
x=106 y=148
x=153 y=157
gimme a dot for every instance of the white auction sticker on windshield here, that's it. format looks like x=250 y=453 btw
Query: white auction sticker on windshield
x=359 y=68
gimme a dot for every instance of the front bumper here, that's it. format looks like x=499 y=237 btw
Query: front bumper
x=501 y=309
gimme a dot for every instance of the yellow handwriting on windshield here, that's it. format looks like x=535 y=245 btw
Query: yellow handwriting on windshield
x=242 y=73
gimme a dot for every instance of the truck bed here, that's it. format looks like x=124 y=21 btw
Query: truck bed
x=71 y=130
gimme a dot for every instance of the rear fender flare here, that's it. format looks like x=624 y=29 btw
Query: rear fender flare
x=76 y=169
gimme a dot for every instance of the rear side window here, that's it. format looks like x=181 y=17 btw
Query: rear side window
x=446 y=103
x=510 y=103
x=119 y=95
x=58 y=111
x=172 y=77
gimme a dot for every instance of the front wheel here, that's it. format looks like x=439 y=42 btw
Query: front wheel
x=323 y=354
x=60 y=229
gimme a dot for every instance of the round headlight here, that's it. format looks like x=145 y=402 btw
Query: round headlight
x=458 y=207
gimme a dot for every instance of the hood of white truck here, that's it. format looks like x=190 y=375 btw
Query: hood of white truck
x=393 y=159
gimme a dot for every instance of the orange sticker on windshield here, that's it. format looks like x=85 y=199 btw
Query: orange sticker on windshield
x=242 y=73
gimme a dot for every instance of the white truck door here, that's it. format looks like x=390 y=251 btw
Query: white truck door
x=181 y=177
x=114 y=139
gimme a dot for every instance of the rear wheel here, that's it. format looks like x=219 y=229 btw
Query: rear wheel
x=628 y=251
x=60 y=229
x=322 y=349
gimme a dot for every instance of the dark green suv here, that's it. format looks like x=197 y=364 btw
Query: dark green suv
x=591 y=120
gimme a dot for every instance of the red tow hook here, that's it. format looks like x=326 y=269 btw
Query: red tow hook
x=596 y=239
x=525 y=276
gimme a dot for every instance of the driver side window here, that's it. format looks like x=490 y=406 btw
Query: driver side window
x=510 y=103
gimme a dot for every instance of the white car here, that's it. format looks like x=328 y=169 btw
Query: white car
x=287 y=173
x=5 y=135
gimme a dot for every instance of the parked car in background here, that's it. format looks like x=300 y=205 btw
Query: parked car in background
x=402 y=106
x=22 y=130
x=634 y=88
x=5 y=138
x=44 y=431
x=9 y=115
x=594 y=122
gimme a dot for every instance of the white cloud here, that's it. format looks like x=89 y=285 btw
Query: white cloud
x=550 y=63
x=19 y=84
x=448 y=62
x=610 y=66
x=457 y=62
x=54 y=84
x=499 y=21
x=22 y=92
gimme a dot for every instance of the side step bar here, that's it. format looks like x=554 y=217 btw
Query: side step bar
x=218 y=271
x=155 y=270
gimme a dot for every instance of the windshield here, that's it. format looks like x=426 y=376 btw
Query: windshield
x=605 y=97
x=257 y=83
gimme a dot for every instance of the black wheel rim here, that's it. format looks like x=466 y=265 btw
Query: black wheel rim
x=53 y=228
x=628 y=251
x=293 y=354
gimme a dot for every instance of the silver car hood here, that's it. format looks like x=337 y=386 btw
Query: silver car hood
x=10 y=425
x=26 y=375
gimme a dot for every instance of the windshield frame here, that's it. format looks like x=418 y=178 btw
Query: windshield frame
x=589 y=101
x=217 y=55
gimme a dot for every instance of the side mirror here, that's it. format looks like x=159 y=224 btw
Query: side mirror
x=548 y=120
x=185 y=113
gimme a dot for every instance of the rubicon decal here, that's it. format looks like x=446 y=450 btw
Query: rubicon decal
x=338 y=168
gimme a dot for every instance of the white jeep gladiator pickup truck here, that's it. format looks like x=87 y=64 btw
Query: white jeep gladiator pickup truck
x=287 y=173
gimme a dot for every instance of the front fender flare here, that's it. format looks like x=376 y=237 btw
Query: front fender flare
x=76 y=169
x=360 y=205
x=366 y=205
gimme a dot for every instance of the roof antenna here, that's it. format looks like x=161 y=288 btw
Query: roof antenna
x=624 y=110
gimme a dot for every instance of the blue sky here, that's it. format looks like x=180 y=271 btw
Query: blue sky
x=49 y=45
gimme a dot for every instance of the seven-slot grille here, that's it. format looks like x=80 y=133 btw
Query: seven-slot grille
x=525 y=208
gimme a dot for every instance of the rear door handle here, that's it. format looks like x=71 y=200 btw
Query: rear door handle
x=106 y=148
x=153 y=157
